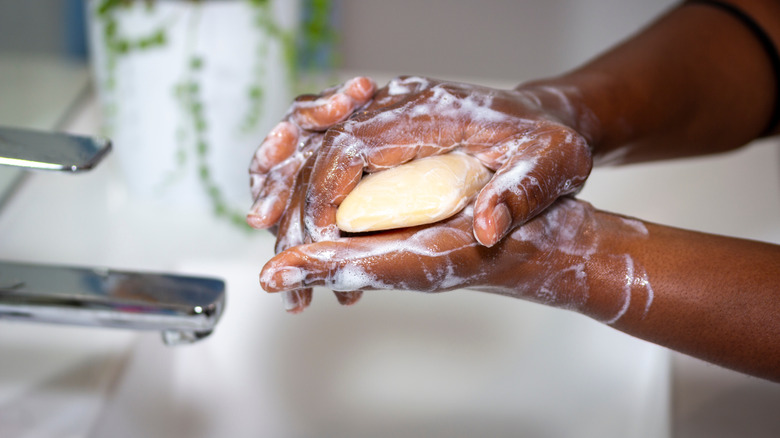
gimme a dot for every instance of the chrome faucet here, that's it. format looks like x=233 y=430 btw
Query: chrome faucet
x=184 y=308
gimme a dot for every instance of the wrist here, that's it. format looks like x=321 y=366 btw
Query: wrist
x=582 y=259
x=619 y=287
x=670 y=92
x=567 y=100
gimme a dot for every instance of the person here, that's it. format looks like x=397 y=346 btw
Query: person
x=701 y=79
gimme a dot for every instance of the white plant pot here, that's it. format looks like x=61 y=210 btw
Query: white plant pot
x=187 y=111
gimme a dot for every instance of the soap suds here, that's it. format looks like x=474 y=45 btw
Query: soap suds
x=463 y=117
x=564 y=222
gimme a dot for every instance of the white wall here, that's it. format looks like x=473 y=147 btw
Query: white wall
x=501 y=39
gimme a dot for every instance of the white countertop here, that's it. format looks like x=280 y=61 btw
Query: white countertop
x=397 y=364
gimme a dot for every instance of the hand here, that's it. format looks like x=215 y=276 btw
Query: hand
x=283 y=155
x=277 y=161
x=536 y=157
x=546 y=260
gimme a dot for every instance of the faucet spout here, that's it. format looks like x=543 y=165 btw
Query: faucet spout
x=183 y=308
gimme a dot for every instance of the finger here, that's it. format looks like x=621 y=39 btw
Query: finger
x=352 y=266
x=348 y=298
x=368 y=142
x=274 y=195
x=304 y=266
x=360 y=89
x=433 y=258
x=398 y=89
x=290 y=234
x=429 y=122
x=296 y=301
x=277 y=146
x=542 y=168
x=321 y=112
x=335 y=105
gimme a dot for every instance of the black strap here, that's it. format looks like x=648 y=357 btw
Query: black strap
x=766 y=43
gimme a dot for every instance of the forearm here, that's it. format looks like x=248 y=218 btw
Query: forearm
x=713 y=297
x=696 y=81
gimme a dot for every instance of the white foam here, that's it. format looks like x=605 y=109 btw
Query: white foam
x=352 y=277
x=291 y=299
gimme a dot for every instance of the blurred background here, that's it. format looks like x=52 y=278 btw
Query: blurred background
x=454 y=365
x=502 y=39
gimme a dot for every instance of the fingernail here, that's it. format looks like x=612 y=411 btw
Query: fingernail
x=284 y=131
x=360 y=88
x=260 y=214
x=256 y=222
x=502 y=220
x=348 y=298
x=284 y=278
x=498 y=223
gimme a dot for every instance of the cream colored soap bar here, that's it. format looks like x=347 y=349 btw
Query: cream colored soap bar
x=419 y=192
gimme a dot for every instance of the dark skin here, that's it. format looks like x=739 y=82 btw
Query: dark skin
x=694 y=82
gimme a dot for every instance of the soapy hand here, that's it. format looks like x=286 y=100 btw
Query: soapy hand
x=280 y=164
x=536 y=157
x=546 y=260
x=429 y=258
x=277 y=161
x=348 y=130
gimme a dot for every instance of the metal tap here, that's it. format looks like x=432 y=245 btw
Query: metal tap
x=184 y=308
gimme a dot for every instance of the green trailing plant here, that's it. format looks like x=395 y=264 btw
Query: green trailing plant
x=304 y=49
x=116 y=46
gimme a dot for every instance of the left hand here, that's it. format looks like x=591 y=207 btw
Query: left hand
x=544 y=260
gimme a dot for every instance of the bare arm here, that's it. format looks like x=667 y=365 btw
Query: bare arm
x=696 y=81
x=714 y=297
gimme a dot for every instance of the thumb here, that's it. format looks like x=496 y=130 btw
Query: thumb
x=529 y=182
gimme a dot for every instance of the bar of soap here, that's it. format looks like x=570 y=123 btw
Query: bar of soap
x=416 y=193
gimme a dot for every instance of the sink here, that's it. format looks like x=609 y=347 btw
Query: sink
x=55 y=380
x=396 y=364
x=459 y=364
